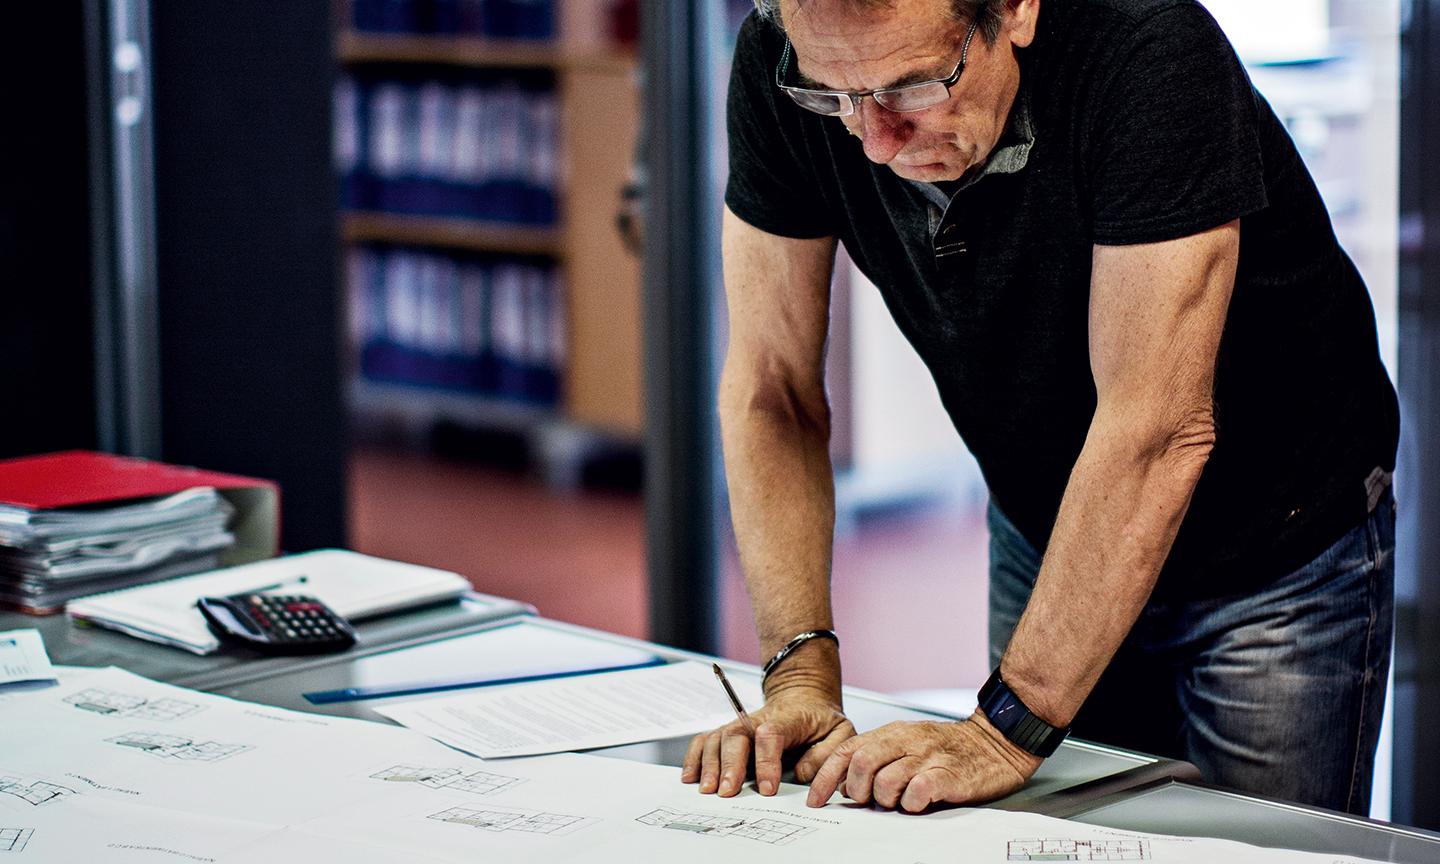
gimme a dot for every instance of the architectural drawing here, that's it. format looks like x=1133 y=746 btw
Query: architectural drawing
x=110 y=703
x=773 y=831
x=504 y=819
x=454 y=779
x=1078 y=850
x=34 y=791
x=164 y=746
x=14 y=839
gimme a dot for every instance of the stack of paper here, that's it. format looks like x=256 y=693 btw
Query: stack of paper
x=49 y=556
x=354 y=585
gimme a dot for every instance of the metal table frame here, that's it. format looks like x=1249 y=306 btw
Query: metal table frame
x=1351 y=835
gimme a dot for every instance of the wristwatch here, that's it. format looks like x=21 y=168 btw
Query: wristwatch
x=1022 y=728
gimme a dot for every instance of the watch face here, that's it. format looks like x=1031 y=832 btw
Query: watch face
x=1008 y=714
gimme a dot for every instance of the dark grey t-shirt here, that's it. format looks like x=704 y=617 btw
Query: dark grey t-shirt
x=1145 y=128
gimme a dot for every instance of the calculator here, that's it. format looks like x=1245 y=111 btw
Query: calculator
x=277 y=623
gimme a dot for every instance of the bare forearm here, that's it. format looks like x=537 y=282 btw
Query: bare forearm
x=1118 y=519
x=782 y=503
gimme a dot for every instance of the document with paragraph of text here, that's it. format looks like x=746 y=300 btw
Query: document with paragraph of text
x=577 y=713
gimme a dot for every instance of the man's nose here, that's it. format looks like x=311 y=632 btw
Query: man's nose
x=884 y=132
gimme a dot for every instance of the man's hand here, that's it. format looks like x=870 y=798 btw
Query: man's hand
x=910 y=766
x=719 y=760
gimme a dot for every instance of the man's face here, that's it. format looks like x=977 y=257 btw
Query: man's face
x=842 y=45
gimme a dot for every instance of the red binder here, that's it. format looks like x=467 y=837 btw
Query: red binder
x=77 y=478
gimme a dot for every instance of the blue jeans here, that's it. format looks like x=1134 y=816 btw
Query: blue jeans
x=1278 y=692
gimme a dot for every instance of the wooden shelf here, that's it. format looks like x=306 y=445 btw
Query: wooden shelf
x=450 y=233
x=473 y=52
x=373 y=398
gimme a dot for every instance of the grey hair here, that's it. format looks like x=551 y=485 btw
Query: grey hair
x=989 y=13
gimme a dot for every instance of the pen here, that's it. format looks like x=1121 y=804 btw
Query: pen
x=295 y=580
x=734 y=700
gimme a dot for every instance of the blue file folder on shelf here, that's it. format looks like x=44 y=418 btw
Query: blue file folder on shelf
x=487 y=325
x=478 y=145
x=500 y=19
x=509 y=654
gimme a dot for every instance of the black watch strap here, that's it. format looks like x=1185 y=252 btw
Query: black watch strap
x=1022 y=728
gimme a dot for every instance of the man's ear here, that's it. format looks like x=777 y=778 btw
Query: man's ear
x=1020 y=21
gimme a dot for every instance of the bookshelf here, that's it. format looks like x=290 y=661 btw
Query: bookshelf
x=354 y=47
x=594 y=86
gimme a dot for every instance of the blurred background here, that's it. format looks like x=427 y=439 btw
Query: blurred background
x=448 y=271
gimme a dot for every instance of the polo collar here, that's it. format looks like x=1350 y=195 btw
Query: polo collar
x=1010 y=157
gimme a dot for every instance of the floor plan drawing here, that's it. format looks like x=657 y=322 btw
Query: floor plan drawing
x=179 y=747
x=34 y=791
x=1078 y=850
x=110 y=703
x=454 y=779
x=776 y=832
x=503 y=819
x=14 y=839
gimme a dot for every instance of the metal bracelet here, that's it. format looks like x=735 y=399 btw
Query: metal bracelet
x=790 y=646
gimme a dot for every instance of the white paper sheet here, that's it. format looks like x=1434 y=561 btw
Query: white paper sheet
x=577 y=713
x=352 y=584
x=110 y=767
x=23 y=657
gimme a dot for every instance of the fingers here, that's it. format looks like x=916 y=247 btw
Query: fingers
x=710 y=764
x=832 y=773
x=734 y=760
x=809 y=764
x=929 y=786
x=690 y=768
x=913 y=766
x=771 y=739
x=718 y=760
x=891 y=781
x=867 y=760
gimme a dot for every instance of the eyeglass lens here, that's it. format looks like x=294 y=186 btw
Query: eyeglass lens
x=823 y=103
x=913 y=98
x=900 y=99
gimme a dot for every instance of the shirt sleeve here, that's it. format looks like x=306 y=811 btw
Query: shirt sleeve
x=1176 y=145
x=772 y=183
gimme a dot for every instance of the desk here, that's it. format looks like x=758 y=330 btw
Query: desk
x=1083 y=781
x=1079 y=771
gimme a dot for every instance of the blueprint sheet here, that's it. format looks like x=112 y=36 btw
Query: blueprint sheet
x=108 y=766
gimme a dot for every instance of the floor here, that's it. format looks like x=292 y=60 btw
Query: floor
x=909 y=586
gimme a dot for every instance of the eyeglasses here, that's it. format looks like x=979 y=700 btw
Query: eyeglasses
x=839 y=103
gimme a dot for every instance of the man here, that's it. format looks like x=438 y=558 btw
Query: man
x=1107 y=251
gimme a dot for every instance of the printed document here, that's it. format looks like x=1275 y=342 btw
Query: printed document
x=23 y=657
x=578 y=713
x=110 y=767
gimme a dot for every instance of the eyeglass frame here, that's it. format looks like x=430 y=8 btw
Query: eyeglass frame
x=852 y=98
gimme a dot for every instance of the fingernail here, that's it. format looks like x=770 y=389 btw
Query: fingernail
x=767 y=787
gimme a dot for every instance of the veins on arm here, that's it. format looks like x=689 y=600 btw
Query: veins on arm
x=1157 y=312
